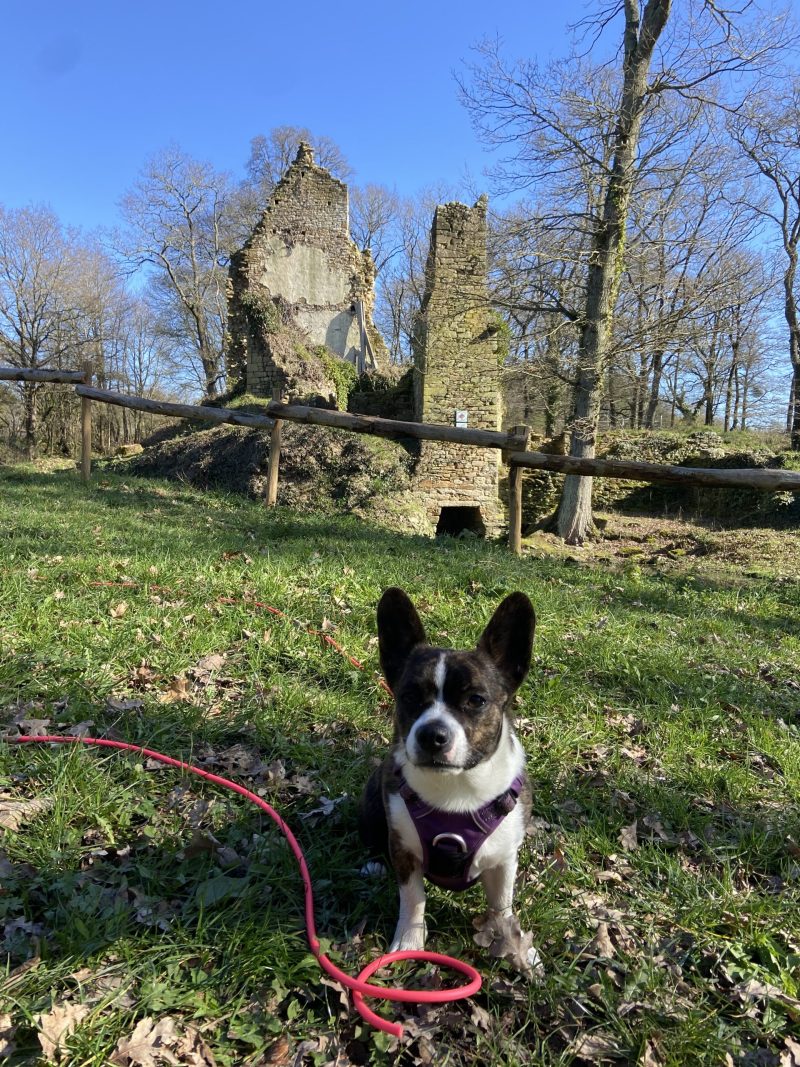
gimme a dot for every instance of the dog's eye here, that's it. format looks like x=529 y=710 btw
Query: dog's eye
x=476 y=701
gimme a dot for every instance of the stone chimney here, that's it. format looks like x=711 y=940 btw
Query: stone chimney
x=305 y=154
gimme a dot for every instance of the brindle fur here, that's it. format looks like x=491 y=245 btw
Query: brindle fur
x=494 y=669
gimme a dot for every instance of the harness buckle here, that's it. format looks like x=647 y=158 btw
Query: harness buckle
x=456 y=839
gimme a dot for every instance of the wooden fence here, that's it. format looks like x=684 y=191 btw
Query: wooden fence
x=512 y=444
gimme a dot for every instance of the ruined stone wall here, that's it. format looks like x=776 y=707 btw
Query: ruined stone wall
x=457 y=361
x=299 y=257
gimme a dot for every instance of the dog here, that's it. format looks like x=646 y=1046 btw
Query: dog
x=451 y=800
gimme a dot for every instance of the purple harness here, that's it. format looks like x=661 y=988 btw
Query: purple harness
x=450 y=839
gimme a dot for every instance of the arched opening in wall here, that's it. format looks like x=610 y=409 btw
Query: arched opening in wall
x=457 y=520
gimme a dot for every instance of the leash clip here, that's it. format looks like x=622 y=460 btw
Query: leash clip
x=457 y=839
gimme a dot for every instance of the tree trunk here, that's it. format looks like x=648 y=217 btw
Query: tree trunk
x=794 y=412
x=708 y=400
x=745 y=392
x=726 y=422
x=574 y=517
x=29 y=400
x=790 y=310
x=655 y=389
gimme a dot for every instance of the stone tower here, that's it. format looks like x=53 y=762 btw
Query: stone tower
x=458 y=375
x=300 y=269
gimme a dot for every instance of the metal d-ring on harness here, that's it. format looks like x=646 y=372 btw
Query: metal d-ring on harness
x=451 y=839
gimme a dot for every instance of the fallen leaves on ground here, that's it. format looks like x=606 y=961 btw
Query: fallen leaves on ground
x=753 y=989
x=601 y=944
x=56 y=1025
x=178 y=690
x=628 y=837
x=595 y=1048
x=153 y=1044
x=16 y=813
x=7 y=1031
x=505 y=939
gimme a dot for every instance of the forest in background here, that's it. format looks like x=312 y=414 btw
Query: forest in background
x=703 y=321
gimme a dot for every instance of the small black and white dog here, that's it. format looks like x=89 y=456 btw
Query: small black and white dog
x=451 y=800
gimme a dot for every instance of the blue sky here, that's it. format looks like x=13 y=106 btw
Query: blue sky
x=91 y=89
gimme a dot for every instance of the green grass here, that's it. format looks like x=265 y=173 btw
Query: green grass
x=666 y=698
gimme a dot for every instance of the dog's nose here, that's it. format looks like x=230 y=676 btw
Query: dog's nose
x=435 y=737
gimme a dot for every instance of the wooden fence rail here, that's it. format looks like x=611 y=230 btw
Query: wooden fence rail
x=735 y=478
x=513 y=444
x=175 y=411
x=18 y=374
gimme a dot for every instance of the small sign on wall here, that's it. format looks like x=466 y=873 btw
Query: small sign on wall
x=461 y=419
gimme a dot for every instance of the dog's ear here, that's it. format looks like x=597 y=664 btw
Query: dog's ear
x=508 y=638
x=399 y=631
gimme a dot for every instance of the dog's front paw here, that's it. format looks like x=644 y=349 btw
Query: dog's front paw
x=409 y=938
x=505 y=939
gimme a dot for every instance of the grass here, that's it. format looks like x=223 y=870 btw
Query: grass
x=664 y=692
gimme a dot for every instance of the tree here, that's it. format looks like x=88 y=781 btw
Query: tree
x=39 y=308
x=767 y=130
x=518 y=108
x=271 y=155
x=375 y=213
x=182 y=225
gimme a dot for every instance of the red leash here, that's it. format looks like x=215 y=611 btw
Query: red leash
x=360 y=987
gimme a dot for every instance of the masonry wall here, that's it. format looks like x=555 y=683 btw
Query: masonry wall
x=301 y=258
x=457 y=362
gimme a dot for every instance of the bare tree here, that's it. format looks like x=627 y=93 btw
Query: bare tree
x=38 y=301
x=374 y=222
x=182 y=227
x=518 y=108
x=271 y=155
x=767 y=130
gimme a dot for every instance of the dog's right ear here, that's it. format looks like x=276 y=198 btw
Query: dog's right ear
x=399 y=631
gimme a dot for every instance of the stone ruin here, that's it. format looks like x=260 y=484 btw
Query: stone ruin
x=300 y=302
x=300 y=293
x=457 y=380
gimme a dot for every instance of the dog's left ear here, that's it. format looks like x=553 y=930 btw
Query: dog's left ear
x=508 y=638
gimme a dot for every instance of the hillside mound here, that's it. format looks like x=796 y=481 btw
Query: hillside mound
x=320 y=470
x=703 y=448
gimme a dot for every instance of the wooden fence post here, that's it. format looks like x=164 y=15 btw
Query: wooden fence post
x=515 y=494
x=274 y=455
x=86 y=428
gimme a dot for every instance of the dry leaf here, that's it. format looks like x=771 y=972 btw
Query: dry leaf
x=601 y=944
x=116 y=612
x=7 y=1031
x=651 y=1056
x=15 y=813
x=595 y=1048
x=178 y=690
x=628 y=837
x=56 y=1025
x=278 y=1053
x=752 y=989
x=148 y=1045
x=155 y=1044
x=790 y=1055
x=506 y=940
x=212 y=662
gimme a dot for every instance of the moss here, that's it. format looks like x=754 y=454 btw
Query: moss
x=502 y=337
x=262 y=315
x=342 y=373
